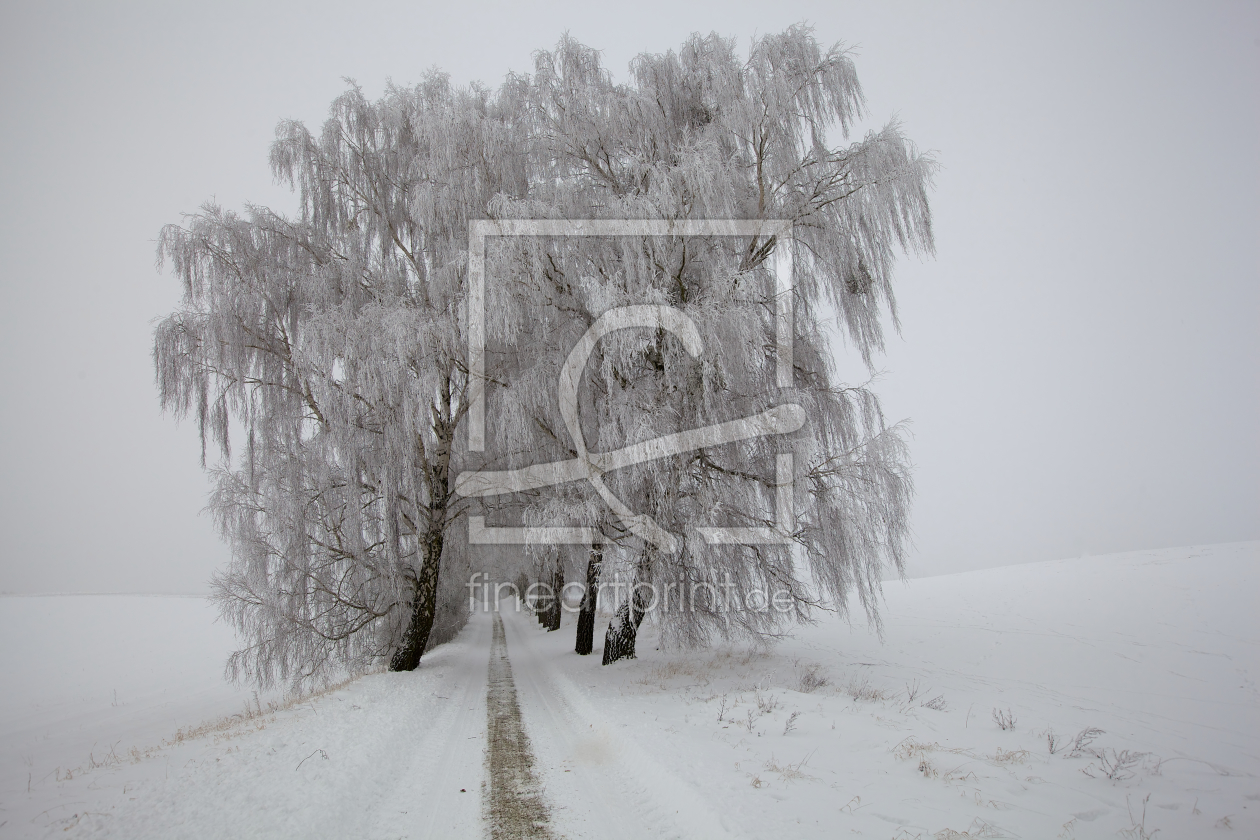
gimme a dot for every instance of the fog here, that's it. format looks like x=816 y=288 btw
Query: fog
x=1078 y=362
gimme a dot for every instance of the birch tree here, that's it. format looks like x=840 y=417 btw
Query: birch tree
x=325 y=356
x=331 y=347
x=705 y=133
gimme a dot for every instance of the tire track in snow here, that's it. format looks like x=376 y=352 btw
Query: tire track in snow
x=421 y=797
x=599 y=783
x=515 y=806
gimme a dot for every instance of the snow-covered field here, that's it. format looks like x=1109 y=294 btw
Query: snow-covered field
x=831 y=733
x=87 y=678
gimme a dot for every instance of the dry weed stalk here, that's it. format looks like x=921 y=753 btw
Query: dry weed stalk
x=1137 y=830
x=1013 y=757
x=1116 y=766
x=810 y=681
x=790 y=772
x=1080 y=744
x=863 y=690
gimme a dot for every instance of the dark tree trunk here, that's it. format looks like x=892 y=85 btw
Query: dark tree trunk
x=541 y=604
x=557 y=586
x=586 y=617
x=434 y=472
x=623 y=630
x=423 y=607
x=522 y=586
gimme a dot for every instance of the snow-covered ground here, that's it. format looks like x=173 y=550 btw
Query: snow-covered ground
x=87 y=678
x=818 y=736
x=1157 y=649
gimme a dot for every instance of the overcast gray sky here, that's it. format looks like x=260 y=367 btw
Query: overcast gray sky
x=1079 y=362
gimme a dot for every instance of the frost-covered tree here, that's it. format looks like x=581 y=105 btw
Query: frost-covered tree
x=331 y=346
x=707 y=133
x=326 y=355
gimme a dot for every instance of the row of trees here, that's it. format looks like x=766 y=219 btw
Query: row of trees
x=325 y=356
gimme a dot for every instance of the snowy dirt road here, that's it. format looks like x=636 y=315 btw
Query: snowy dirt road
x=598 y=782
x=487 y=739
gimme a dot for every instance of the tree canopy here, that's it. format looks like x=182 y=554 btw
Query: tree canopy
x=326 y=356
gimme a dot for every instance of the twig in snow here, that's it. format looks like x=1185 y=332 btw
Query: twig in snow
x=303 y=761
